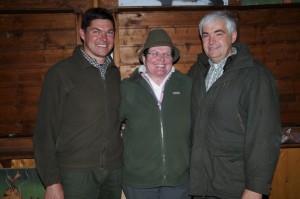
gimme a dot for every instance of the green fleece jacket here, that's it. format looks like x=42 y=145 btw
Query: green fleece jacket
x=77 y=124
x=156 y=142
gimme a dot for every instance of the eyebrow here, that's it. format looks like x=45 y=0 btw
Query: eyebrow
x=159 y=51
x=216 y=31
x=95 y=28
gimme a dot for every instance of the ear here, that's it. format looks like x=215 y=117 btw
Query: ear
x=82 y=34
x=144 y=58
x=233 y=37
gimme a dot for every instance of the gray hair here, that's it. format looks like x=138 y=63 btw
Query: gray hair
x=218 y=15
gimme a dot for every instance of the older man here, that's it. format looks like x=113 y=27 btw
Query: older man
x=235 y=114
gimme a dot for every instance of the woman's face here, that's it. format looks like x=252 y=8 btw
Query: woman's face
x=158 y=62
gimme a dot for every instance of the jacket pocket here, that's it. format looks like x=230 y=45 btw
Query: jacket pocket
x=228 y=175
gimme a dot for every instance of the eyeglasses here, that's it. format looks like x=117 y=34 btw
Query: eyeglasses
x=155 y=54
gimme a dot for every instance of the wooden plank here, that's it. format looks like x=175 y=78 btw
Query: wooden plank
x=180 y=35
x=262 y=16
x=27 y=40
x=39 y=40
x=151 y=19
x=287 y=175
x=18 y=112
x=288 y=33
x=284 y=69
x=22 y=78
x=14 y=95
x=126 y=70
x=38 y=21
x=276 y=51
x=45 y=4
x=290 y=117
x=109 y=4
x=291 y=99
x=42 y=31
x=288 y=85
x=14 y=148
x=18 y=107
x=30 y=59
x=20 y=126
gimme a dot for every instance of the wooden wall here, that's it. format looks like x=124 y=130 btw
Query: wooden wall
x=271 y=33
x=286 y=180
x=34 y=35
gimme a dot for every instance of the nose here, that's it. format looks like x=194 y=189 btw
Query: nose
x=211 y=39
x=161 y=56
x=102 y=36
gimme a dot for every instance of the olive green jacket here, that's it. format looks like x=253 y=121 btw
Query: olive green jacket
x=236 y=128
x=156 y=141
x=77 y=124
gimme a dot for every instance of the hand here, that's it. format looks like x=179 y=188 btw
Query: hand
x=54 y=191
x=251 y=195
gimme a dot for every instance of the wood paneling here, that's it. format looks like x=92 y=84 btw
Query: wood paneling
x=12 y=5
x=39 y=58
x=27 y=53
x=12 y=147
x=34 y=35
x=286 y=180
x=271 y=33
x=42 y=32
x=275 y=42
x=30 y=43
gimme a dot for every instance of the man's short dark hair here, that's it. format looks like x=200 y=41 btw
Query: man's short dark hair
x=96 y=13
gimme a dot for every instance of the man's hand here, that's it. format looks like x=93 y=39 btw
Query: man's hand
x=251 y=195
x=54 y=191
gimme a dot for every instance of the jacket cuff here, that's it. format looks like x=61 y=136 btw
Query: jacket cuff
x=259 y=187
x=49 y=178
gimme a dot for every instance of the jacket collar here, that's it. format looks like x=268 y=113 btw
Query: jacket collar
x=242 y=59
x=83 y=62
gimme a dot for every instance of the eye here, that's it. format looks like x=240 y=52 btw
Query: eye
x=96 y=32
x=154 y=54
x=167 y=55
x=110 y=32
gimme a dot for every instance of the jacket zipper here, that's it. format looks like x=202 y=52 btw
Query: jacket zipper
x=107 y=122
x=159 y=104
x=202 y=118
x=162 y=142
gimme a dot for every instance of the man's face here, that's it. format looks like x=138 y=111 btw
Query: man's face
x=158 y=62
x=217 y=42
x=98 y=39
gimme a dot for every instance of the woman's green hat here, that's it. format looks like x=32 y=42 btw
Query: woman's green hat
x=159 y=37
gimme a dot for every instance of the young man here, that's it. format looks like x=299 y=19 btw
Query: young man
x=235 y=114
x=77 y=143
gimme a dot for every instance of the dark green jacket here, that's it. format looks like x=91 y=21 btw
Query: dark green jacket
x=156 y=142
x=77 y=124
x=236 y=128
